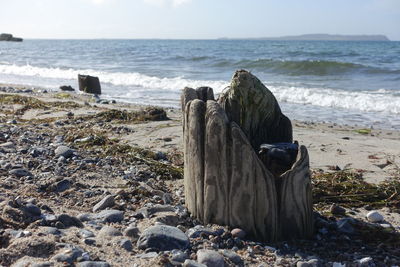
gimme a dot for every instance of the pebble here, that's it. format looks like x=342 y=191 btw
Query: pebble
x=374 y=216
x=32 y=209
x=237 y=232
x=132 y=232
x=232 y=256
x=337 y=210
x=69 y=221
x=109 y=231
x=192 y=263
x=345 y=226
x=106 y=202
x=366 y=262
x=63 y=151
x=163 y=237
x=210 y=258
x=199 y=230
x=20 y=172
x=92 y=264
x=126 y=244
x=68 y=256
x=179 y=256
x=51 y=230
x=110 y=216
x=63 y=185
x=85 y=233
x=148 y=255
x=310 y=263
x=167 y=198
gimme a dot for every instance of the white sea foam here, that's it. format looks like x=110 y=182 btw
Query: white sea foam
x=115 y=78
x=373 y=101
x=137 y=85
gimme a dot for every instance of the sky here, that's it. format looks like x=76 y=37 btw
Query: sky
x=197 y=19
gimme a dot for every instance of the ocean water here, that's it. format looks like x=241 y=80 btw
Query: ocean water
x=354 y=83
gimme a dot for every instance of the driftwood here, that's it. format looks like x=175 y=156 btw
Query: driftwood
x=89 y=84
x=225 y=180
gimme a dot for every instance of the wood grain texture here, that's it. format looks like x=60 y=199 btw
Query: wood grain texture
x=225 y=180
x=216 y=179
x=194 y=156
x=296 y=214
x=253 y=202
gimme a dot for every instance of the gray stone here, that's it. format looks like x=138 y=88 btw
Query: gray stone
x=148 y=255
x=167 y=198
x=337 y=210
x=210 y=258
x=89 y=241
x=69 y=221
x=132 y=232
x=68 y=256
x=148 y=211
x=163 y=237
x=192 y=263
x=106 y=202
x=84 y=217
x=198 y=230
x=366 y=262
x=43 y=264
x=109 y=231
x=374 y=216
x=110 y=216
x=50 y=230
x=63 y=151
x=237 y=232
x=179 y=256
x=126 y=244
x=20 y=172
x=93 y=264
x=85 y=233
x=32 y=209
x=310 y=263
x=233 y=257
x=345 y=226
x=63 y=185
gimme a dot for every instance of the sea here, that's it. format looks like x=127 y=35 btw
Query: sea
x=343 y=82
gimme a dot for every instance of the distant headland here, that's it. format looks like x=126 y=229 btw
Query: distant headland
x=322 y=37
x=9 y=37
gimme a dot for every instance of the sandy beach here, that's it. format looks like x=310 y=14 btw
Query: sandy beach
x=133 y=167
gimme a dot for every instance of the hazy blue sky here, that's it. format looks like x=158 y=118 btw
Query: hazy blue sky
x=197 y=18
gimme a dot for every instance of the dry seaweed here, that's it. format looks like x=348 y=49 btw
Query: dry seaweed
x=129 y=153
x=349 y=189
x=33 y=103
x=146 y=114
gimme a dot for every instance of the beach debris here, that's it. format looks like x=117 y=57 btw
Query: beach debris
x=163 y=237
x=350 y=190
x=89 y=84
x=67 y=88
x=374 y=216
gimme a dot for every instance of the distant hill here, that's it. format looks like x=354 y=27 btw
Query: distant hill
x=324 y=37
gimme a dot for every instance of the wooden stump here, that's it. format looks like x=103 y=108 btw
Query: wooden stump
x=89 y=84
x=225 y=180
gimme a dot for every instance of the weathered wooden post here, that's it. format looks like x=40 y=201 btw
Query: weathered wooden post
x=226 y=181
x=89 y=84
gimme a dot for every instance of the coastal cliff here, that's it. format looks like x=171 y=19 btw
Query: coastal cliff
x=9 y=37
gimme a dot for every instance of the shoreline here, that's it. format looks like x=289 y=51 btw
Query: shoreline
x=331 y=146
x=138 y=164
